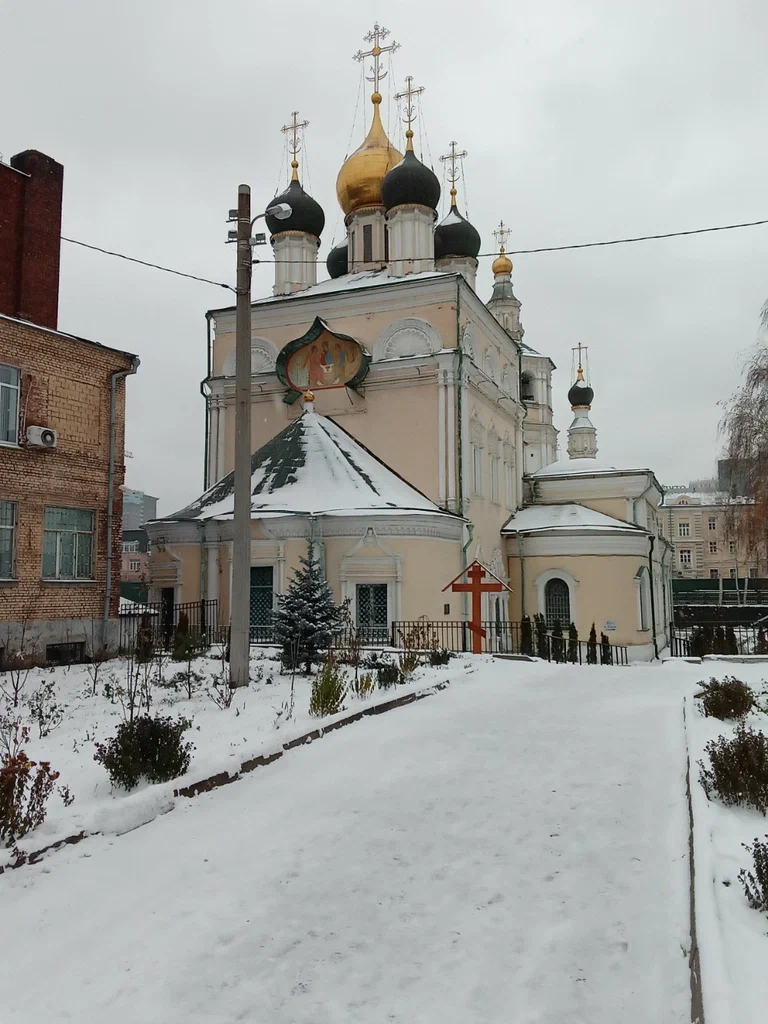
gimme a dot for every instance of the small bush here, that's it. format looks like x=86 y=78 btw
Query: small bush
x=756 y=882
x=592 y=646
x=726 y=698
x=439 y=657
x=389 y=675
x=558 y=643
x=738 y=772
x=363 y=685
x=408 y=663
x=25 y=786
x=328 y=691
x=573 y=644
x=146 y=748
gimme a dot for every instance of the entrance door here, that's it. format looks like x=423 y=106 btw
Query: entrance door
x=372 y=620
x=262 y=601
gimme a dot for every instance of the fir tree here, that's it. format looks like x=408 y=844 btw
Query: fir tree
x=306 y=617
x=731 y=643
x=606 y=654
x=542 y=640
x=592 y=646
x=573 y=644
x=762 y=642
x=558 y=643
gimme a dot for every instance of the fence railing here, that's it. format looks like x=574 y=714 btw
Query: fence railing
x=718 y=638
x=160 y=621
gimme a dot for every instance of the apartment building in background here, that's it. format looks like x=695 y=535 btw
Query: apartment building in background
x=62 y=422
x=702 y=526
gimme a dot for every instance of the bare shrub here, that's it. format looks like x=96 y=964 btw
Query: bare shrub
x=222 y=693
x=45 y=709
x=726 y=698
x=755 y=882
x=328 y=690
x=738 y=772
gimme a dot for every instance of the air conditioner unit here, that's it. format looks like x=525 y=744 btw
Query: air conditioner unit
x=42 y=437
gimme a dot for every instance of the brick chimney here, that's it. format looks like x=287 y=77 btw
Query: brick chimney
x=30 y=244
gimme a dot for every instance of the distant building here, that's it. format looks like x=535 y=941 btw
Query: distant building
x=134 y=569
x=62 y=425
x=138 y=508
x=703 y=529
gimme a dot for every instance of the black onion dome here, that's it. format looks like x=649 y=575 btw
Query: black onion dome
x=410 y=182
x=581 y=393
x=338 y=260
x=307 y=214
x=455 y=236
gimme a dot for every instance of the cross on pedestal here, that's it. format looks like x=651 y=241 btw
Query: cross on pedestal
x=476 y=573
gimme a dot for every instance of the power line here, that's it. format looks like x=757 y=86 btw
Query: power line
x=482 y=255
x=145 y=263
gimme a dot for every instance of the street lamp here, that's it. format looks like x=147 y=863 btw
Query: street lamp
x=240 y=612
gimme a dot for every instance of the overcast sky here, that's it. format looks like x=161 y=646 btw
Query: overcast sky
x=583 y=120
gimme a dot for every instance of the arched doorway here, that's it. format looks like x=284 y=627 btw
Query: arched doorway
x=557 y=603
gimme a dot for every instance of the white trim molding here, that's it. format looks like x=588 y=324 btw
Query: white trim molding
x=408 y=336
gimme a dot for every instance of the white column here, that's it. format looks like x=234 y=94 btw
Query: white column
x=295 y=261
x=441 y=437
x=368 y=217
x=464 y=265
x=212 y=572
x=411 y=240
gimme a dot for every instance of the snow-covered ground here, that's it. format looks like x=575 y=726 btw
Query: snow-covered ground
x=733 y=938
x=512 y=848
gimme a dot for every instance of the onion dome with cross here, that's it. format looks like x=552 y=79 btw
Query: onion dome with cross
x=410 y=182
x=454 y=235
x=307 y=214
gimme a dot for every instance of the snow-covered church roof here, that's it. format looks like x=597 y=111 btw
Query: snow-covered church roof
x=314 y=467
x=569 y=516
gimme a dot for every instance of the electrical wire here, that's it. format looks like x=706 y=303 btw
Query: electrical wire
x=482 y=255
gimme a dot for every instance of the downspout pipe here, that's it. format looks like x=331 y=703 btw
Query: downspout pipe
x=116 y=376
x=652 y=540
x=207 y=397
x=460 y=437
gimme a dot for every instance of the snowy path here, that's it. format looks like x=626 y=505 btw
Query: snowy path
x=511 y=850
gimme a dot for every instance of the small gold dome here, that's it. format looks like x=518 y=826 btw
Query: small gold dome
x=502 y=264
x=359 y=180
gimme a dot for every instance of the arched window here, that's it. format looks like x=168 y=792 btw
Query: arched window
x=557 y=603
x=643 y=580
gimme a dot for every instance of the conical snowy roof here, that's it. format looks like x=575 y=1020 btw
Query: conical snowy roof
x=313 y=467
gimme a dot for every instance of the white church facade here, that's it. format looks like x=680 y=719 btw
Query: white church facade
x=401 y=425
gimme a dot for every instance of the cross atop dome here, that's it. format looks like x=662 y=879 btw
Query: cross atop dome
x=502 y=264
x=375 y=36
x=294 y=133
x=408 y=95
x=453 y=172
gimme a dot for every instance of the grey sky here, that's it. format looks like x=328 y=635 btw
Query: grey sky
x=585 y=120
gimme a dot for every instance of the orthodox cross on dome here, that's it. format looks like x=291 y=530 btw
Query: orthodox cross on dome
x=453 y=160
x=501 y=234
x=294 y=133
x=410 y=92
x=579 y=362
x=375 y=36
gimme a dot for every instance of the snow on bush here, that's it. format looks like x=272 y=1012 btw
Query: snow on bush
x=306 y=616
x=329 y=689
x=756 y=882
x=726 y=698
x=738 y=772
x=146 y=748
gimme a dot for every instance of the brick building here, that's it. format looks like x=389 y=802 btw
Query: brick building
x=62 y=421
x=703 y=527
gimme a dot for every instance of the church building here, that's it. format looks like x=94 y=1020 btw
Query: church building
x=403 y=427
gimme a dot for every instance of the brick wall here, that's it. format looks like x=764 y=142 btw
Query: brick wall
x=30 y=244
x=65 y=384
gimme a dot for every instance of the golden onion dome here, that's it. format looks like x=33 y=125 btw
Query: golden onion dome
x=360 y=177
x=502 y=264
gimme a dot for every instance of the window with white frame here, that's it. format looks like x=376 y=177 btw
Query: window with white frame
x=685 y=556
x=713 y=547
x=134 y=565
x=712 y=523
x=68 y=544
x=10 y=384
x=733 y=573
x=7 y=539
x=494 y=467
x=714 y=574
x=130 y=546
x=731 y=547
x=644 y=584
x=477 y=469
x=509 y=484
x=684 y=529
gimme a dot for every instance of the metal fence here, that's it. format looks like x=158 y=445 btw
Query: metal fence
x=718 y=638
x=160 y=620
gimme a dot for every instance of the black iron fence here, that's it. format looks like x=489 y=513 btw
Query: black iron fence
x=718 y=638
x=161 y=620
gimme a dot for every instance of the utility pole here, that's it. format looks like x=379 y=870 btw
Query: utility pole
x=240 y=612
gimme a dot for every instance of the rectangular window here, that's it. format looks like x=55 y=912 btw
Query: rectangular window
x=10 y=383
x=509 y=484
x=714 y=574
x=753 y=573
x=68 y=544
x=712 y=523
x=134 y=565
x=684 y=529
x=367 y=243
x=685 y=556
x=372 y=609
x=733 y=574
x=713 y=547
x=262 y=602
x=64 y=654
x=732 y=547
x=130 y=546
x=477 y=470
x=7 y=538
x=494 y=478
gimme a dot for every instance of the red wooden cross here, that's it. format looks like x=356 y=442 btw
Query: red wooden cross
x=476 y=573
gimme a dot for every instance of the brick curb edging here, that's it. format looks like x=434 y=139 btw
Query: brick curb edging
x=694 y=962
x=225 y=778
